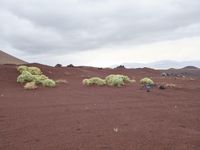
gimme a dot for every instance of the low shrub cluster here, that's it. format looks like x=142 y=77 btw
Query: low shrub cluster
x=117 y=80
x=25 y=76
x=32 y=70
x=32 y=76
x=94 y=81
x=111 y=80
x=48 y=83
x=146 y=82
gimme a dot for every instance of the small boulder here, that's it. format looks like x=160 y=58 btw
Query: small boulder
x=120 y=67
x=58 y=65
x=70 y=65
x=164 y=74
x=161 y=87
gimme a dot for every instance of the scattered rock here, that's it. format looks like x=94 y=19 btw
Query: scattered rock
x=58 y=65
x=170 y=85
x=70 y=65
x=115 y=129
x=191 y=79
x=161 y=87
x=164 y=74
x=120 y=67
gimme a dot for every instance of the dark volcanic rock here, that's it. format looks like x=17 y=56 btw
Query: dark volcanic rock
x=70 y=65
x=58 y=65
x=120 y=67
x=164 y=74
x=190 y=67
x=161 y=87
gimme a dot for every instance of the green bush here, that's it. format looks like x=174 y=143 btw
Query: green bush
x=117 y=80
x=94 y=81
x=146 y=81
x=39 y=78
x=34 y=70
x=126 y=79
x=22 y=68
x=25 y=77
x=86 y=82
x=49 y=83
x=33 y=76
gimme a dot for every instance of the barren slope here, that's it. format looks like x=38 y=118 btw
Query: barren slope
x=74 y=117
x=9 y=59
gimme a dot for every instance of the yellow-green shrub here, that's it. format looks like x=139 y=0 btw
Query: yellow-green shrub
x=48 y=83
x=94 y=81
x=39 y=78
x=22 y=68
x=86 y=82
x=25 y=77
x=34 y=70
x=117 y=80
x=33 y=76
x=146 y=81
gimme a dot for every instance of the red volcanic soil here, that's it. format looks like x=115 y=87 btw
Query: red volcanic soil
x=74 y=117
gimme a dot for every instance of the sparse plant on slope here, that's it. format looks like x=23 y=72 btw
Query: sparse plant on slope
x=22 y=68
x=48 y=83
x=33 y=76
x=39 y=78
x=94 y=81
x=117 y=80
x=126 y=79
x=30 y=86
x=86 y=82
x=25 y=77
x=146 y=82
x=34 y=70
x=61 y=81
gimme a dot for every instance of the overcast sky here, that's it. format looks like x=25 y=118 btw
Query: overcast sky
x=100 y=32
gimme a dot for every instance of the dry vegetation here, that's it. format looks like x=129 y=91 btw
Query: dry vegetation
x=32 y=77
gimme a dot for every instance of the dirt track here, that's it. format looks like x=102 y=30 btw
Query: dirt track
x=74 y=117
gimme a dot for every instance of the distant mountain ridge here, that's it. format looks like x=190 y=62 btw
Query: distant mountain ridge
x=165 y=64
x=9 y=59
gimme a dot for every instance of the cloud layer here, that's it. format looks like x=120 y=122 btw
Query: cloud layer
x=39 y=27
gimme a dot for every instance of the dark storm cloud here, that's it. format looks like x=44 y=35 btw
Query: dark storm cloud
x=38 y=26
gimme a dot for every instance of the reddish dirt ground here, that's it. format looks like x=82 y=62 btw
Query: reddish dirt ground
x=74 y=117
